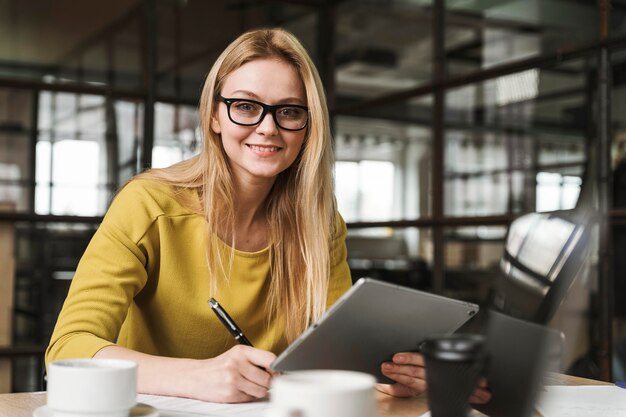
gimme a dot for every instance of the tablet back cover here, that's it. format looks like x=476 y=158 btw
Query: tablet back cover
x=368 y=324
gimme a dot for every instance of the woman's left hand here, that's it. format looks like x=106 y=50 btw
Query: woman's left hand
x=407 y=369
x=409 y=372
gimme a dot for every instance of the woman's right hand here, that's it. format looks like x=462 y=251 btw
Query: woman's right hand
x=240 y=374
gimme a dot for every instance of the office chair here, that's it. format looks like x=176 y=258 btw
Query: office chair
x=544 y=253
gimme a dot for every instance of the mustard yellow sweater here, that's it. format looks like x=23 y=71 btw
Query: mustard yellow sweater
x=142 y=283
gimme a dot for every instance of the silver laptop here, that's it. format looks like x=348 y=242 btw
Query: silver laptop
x=369 y=324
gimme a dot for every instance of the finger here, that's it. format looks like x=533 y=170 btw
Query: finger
x=259 y=357
x=407 y=385
x=408 y=370
x=251 y=388
x=235 y=389
x=246 y=380
x=256 y=375
x=409 y=358
x=482 y=395
x=418 y=385
x=384 y=388
x=473 y=399
x=478 y=399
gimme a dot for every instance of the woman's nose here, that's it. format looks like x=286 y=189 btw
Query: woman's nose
x=267 y=125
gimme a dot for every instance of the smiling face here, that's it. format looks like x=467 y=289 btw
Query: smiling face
x=262 y=151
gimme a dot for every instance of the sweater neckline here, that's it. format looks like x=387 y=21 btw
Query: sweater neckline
x=242 y=253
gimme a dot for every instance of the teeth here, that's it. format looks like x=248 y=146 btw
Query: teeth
x=264 y=148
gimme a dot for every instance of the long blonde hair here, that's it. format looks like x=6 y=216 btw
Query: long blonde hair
x=301 y=207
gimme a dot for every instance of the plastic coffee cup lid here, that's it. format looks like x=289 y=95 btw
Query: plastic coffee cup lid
x=455 y=347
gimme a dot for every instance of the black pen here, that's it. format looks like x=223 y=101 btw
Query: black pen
x=228 y=322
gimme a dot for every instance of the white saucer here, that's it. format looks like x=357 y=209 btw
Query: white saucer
x=140 y=410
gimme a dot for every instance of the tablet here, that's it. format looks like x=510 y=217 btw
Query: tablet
x=371 y=322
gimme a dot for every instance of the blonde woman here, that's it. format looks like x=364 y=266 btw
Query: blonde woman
x=251 y=221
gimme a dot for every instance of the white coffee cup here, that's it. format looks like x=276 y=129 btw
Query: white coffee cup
x=92 y=387
x=323 y=393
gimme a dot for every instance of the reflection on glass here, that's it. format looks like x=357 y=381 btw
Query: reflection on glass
x=472 y=255
x=176 y=134
x=393 y=183
x=556 y=191
x=74 y=175
x=517 y=87
x=365 y=189
x=474 y=248
x=503 y=134
x=481 y=35
x=129 y=122
x=67 y=178
x=68 y=115
x=43 y=177
x=619 y=169
x=392 y=255
x=81 y=43
x=10 y=175
x=476 y=175
x=376 y=52
x=15 y=144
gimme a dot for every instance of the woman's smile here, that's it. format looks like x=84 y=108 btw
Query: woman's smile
x=264 y=150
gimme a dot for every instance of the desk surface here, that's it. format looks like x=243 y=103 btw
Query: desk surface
x=23 y=404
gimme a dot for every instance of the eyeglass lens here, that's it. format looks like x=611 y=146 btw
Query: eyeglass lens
x=250 y=113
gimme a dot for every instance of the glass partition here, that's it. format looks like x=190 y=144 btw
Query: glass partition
x=16 y=135
x=382 y=47
x=398 y=255
x=472 y=258
x=177 y=135
x=64 y=44
x=383 y=169
x=187 y=46
x=482 y=35
x=517 y=143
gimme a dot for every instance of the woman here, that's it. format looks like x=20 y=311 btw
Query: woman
x=251 y=221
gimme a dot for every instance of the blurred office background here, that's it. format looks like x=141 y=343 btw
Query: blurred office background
x=451 y=119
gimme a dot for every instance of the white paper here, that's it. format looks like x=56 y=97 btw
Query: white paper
x=582 y=401
x=184 y=407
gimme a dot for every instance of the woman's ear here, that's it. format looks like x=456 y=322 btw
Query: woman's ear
x=215 y=124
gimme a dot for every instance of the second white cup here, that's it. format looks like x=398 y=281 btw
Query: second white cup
x=323 y=393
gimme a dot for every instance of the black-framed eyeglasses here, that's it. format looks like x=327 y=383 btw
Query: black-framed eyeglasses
x=246 y=112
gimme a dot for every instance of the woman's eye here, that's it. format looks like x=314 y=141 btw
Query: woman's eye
x=291 y=112
x=246 y=107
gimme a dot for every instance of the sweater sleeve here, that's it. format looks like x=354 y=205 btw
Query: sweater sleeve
x=340 y=278
x=111 y=272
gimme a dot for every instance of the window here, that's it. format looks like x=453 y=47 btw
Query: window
x=556 y=191
x=67 y=178
x=176 y=134
x=364 y=190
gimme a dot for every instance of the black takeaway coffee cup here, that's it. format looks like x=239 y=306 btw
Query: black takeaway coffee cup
x=453 y=366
